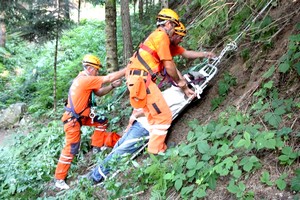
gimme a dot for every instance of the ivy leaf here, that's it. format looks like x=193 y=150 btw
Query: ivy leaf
x=284 y=67
x=187 y=190
x=199 y=193
x=212 y=181
x=191 y=163
x=233 y=188
x=268 y=85
x=190 y=136
x=178 y=184
x=281 y=184
x=295 y=182
x=191 y=173
x=237 y=173
x=203 y=147
x=297 y=67
x=265 y=178
x=168 y=176
x=270 y=144
x=270 y=72
x=296 y=56
x=272 y=119
x=280 y=111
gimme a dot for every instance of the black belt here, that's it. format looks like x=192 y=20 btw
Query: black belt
x=68 y=120
x=138 y=72
x=71 y=119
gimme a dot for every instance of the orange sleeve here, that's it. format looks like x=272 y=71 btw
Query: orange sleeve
x=176 y=50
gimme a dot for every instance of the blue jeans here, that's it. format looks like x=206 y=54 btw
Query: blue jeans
x=123 y=146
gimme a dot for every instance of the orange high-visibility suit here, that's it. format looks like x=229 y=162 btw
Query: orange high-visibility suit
x=156 y=109
x=79 y=94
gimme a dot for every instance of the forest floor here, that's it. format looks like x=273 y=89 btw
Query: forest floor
x=249 y=78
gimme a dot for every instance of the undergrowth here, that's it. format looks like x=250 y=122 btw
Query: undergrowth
x=231 y=147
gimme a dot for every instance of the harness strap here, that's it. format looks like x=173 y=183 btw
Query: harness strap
x=75 y=115
x=149 y=50
x=151 y=75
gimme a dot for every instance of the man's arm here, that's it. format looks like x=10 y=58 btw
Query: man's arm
x=197 y=54
x=177 y=77
x=104 y=90
x=114 y=76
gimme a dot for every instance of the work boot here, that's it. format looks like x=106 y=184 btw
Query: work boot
x=61 y=184
x=88 y=177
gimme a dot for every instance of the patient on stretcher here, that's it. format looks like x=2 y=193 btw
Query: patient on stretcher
x=137 y=133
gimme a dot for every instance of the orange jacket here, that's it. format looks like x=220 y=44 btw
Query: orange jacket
x=157 y=41
x=80 y=92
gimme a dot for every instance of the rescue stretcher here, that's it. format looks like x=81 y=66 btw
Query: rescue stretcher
x=207 y=72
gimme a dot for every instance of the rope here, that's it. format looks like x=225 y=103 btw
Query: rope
x=232 y=46
x=249 y=25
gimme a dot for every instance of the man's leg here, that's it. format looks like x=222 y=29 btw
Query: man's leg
x=72 y=130
x=100 y=136
x=128 y=144
x=159 y=117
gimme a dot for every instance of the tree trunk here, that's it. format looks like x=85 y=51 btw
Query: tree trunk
x=126 y=30
x=67 y=9
x=111 y=35
x=2 y=31
x=147 y=6
x=164 y=4
x=141 y=9
x=79 y=6
x=134 y=5
x=55 y=59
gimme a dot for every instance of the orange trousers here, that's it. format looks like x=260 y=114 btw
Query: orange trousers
x=99 y=138
x=158 y=114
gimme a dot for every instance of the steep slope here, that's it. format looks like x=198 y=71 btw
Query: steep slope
x=249 y=76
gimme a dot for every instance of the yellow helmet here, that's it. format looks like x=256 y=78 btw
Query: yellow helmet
x=167 y=14
x=180 y=30
x=91 y=60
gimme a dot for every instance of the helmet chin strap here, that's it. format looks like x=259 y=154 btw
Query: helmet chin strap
x=166 y=30
x=86 y=71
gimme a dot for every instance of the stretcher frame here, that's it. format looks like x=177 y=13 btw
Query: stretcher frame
x=208 y=72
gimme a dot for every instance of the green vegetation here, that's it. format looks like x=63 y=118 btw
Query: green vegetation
x=223 y=88
x=231 y=147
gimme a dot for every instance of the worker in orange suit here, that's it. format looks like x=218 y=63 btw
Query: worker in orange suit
x=153 y=56
x=79 y=112
x=177 y=38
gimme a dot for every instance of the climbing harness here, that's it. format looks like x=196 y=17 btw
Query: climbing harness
x=93 y=107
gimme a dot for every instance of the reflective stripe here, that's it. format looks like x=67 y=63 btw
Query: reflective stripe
x=158 y=132
x=156 y=107
x=159 y=129
x=66 y=157
x=68 y=163
x=160 y=126
x=100 y=129
x=101 y=173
